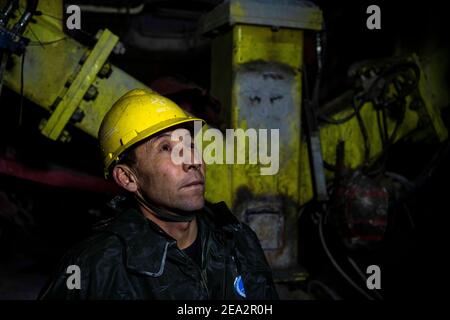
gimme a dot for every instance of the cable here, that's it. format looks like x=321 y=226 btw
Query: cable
x=324 y=287
x=385 y=127
x=38 y=40
x=431 y=167
x=35 y=43
x=329 y=166
x=409 y=216
x=3 y=61
x=31 y=29
x=43 y=44
x=336 y=265
x=22 y=85
x=48 y=15
x=403 y=180
x=409 y=187
x=329 y=120
x=383 y=138
x=363 y=129
x=386 y=140
x=372 y=87
x=361 y=274
x=380 y=129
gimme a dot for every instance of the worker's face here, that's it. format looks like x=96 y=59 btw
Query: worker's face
x=171 y=185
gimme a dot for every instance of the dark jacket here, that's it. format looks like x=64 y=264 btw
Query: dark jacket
x=132 y=258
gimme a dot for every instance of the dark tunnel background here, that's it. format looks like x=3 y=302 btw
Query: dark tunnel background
x=38 y=222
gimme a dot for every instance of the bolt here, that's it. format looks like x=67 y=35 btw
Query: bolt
x=91 y=93
x=84 y=57
x=65 y=136
x=105 y=71
x=119 y=48
x=69 y=81
x=77 y=116
x=42 y=124
x=98 y=34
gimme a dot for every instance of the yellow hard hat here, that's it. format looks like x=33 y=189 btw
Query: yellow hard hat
x=137 y=115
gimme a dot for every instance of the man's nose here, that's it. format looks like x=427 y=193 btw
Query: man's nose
x=193 y=166
x=195 y=161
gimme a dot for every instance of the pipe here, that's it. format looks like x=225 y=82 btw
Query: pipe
x=112 y=10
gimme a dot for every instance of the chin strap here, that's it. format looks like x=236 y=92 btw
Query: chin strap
x=162 y=213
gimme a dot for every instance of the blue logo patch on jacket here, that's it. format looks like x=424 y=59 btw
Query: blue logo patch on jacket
x=239 y=286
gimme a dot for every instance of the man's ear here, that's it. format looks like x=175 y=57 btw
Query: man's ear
x=125 y=177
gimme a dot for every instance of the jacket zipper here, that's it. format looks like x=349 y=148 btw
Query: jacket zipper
x=203 y=280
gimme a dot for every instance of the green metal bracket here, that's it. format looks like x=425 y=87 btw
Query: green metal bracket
x=80 y=85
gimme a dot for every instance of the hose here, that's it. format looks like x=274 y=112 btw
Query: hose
x=336 y=265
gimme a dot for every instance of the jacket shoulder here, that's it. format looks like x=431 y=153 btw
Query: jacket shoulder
x=101 y=246
x=92 y=258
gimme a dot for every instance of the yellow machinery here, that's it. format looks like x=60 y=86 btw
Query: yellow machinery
x=256 y=74
x=75 y=83
x=257 y=63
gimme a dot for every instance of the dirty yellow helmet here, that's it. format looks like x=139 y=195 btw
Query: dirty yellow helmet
x=137 y=115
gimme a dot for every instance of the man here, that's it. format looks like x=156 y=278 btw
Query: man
x=170 y=244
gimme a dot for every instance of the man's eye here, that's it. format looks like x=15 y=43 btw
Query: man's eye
x=165 y=147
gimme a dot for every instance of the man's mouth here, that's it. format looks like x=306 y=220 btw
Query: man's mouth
x=198 y=183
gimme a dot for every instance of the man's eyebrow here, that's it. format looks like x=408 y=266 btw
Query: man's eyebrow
x=163 y=135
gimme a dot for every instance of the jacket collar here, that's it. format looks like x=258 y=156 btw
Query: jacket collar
x=147 y=245
x=218 y=217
